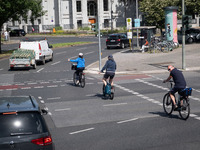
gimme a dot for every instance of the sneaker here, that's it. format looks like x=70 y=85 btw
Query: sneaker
x=175 y=108
x=77 y=82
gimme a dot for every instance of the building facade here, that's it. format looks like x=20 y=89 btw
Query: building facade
x=74 y=14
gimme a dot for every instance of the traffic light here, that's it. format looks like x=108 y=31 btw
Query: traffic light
x=186 y=21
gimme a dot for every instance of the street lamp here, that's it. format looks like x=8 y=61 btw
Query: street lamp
x=111 y=15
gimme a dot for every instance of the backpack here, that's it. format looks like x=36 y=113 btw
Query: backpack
x=108 y=89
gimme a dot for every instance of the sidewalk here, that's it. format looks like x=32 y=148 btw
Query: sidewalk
x=139 y=63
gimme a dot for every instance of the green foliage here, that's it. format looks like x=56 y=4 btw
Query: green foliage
x=85 y=28
x=14 y=9
x=58 y=28
x=153 y=10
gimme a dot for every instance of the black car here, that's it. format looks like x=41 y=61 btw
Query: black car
x=17 y=32
x=117 y=40
x=191 y=35
x=22 y=125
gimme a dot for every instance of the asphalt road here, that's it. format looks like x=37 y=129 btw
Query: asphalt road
x=81 y=119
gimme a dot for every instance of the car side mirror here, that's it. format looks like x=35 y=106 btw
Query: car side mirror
x=50 y=46
x=45 y=112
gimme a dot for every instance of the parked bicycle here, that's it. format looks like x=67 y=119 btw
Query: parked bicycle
x=182 y=102
x=80 y=79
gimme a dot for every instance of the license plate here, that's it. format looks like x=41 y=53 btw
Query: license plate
x=112 y=40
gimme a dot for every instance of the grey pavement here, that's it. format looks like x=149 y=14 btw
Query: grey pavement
x=135 y=62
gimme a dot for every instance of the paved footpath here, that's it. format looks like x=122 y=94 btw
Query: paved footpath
x=138 y=63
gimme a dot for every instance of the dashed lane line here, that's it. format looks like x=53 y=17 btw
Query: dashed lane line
x=56 y=63
x=40 y=69
x=80 y=131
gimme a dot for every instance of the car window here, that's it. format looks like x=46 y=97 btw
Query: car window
x=113 y=37
x=21 y=124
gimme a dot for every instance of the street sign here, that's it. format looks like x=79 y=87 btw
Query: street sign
x=129 y=35
x=137 y=22
x=129 y=23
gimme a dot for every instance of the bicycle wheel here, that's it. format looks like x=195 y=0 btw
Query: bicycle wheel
x=184 y=111
x=75 y=78
x=82 y=80
x=103 y=90
x=165 y=47
x=167 y=104
x=111 y=95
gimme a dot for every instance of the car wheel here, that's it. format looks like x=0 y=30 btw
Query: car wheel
x=190 y=40
x=122 y=46
x=43 y=61
x=51 y=58
x=108 y=47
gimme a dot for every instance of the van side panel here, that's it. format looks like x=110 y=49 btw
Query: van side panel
x=32 y=46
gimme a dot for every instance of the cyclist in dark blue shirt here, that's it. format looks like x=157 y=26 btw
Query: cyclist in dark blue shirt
x=110 y=68
x=179 y=81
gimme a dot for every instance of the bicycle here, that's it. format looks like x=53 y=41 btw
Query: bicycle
x=183 y=107
x=80 y=79
x=108 y=91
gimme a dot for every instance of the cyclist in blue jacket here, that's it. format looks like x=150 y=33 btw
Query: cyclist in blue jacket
x=110 y=68
x=80 y=63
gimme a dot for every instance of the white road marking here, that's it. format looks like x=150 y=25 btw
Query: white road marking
x=19 y=84
x=25 y=88
x=52 y=86
x=56 y=63
x=31 y=83
x=63 y=109
x=1 y=69
x=44 y=82
x=61 y=53
x=117 y=104
x=89 y=53
x=40 y=69
x=127 y=120
x=11 y=89
x=80 y=131
x=39 y=87
x=53 y=98
x=81 y=49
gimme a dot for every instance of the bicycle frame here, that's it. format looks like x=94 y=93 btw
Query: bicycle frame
x=183 y=104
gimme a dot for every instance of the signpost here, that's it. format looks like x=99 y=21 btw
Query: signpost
x=129 y=27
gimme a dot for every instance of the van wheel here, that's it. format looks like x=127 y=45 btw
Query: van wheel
x=51 y=58
x=34 y=66
x=43 y=61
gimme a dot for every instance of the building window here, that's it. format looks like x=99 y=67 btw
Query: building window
x=79 y=23
x=106 y=23
x=105 y=5
x=78 y=6
x=92 y=8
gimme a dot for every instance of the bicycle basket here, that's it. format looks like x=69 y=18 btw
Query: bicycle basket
x=187 y=92
x=74 y=67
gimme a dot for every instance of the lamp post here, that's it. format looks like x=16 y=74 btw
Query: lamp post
x=99 y=35
x=183 y=36
x=111 y=15
x=137 y=18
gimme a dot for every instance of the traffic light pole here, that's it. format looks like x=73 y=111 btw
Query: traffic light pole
x=183 y=36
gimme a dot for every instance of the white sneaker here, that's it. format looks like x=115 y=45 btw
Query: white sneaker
x=77 y=82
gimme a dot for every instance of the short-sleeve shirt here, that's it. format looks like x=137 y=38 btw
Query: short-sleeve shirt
x=178 y=78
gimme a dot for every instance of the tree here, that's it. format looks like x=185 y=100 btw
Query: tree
x=154 y=14
x=15 y=9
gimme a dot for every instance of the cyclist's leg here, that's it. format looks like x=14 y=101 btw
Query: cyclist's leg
x=111 y=78
x=171 y=93
x=105 y=77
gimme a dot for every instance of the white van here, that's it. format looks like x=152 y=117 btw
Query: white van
x=41 y=48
